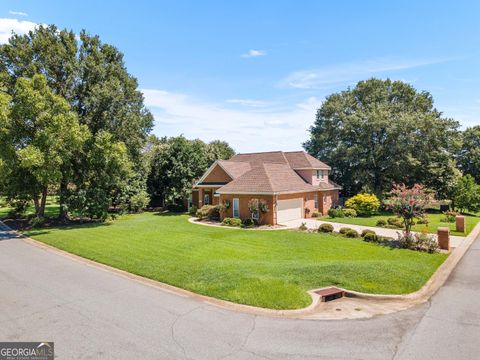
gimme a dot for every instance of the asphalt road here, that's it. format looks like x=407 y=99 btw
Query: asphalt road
x=91 y=313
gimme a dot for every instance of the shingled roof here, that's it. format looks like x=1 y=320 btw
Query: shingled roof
x=267 y=178
x=302 y=160
x=271 y=172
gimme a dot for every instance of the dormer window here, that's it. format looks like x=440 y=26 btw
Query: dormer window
x=321 y=174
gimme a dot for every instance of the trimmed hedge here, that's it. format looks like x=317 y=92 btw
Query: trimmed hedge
x=325 y=228
x=232 y=222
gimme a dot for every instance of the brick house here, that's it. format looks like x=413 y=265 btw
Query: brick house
x=294 y=185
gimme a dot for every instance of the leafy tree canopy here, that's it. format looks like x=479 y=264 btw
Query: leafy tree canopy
x=383 y=132
x=176 y=162
x=469 y=154
x=38 y=135
x=93 y=79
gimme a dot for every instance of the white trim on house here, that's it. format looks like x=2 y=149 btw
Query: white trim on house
x=314 y=168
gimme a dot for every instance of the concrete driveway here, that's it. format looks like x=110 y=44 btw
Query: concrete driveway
x=313 y=224
x=91 y=313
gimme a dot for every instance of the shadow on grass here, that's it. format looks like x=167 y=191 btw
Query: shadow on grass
x=169 y=213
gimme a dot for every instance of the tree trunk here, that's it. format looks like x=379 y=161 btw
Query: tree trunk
x=62 y=216
x=43 y=202
x=37 y=204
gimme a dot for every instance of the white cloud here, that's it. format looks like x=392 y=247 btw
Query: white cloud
x=18 y=13
x=15 y=25
x=254 y=53
x=347 y=72
x=249 y=102
x=247 y=130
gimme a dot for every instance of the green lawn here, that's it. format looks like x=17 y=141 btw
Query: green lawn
x=51 y=208
x=270 y=269
x=435 y=221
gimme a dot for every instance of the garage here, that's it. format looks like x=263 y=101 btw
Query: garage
x=289 y=210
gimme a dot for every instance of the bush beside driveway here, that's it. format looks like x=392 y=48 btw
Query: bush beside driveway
x=272 y=269
x=435 y=221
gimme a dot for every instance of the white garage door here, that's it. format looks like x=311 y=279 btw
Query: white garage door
x=289 y=210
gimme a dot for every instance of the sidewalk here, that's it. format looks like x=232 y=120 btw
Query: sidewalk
x=312 y=223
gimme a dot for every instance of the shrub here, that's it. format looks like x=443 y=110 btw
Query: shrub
x=193 y=210
x=449 y=216
x=419 y=242
x=364 y=204
x=139 y=201
x=395 y=222
x=257 y=208
x=37 y=222
x=326 y=228
x=426 y=243
x=352 y=234
x=344 y=230
x=370 y=237
x=336 y=212
x=232 y=222
x=423 y=220
x=315 y=214
x=248 y=223
x=367 y=231
x=381 y=222
x=19 y=207
x=350 y=213
x=210 y=212
x=303 y=227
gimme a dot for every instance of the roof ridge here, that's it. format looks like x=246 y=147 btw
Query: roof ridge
x=260 y=152
x=268 y=176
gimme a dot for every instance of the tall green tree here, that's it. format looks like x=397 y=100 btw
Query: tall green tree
x=468 y=157
x=219 y=150
x=466 y=194
x=176 y=162
x=39 y=134
x=93 y=78
x=383 y=132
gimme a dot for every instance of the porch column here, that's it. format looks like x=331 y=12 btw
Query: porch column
x=200 y=197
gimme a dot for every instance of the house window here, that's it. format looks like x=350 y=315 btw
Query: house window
x=318 y=174
x=190 y=202
x=315 y=201
x=236 y=208
x=324 y=199
x=206 y=199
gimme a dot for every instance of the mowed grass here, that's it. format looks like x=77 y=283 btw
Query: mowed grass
x=51 y=208
x=435 y=221
x=271 y=269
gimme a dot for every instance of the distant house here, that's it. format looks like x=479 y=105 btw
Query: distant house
x=294 y=185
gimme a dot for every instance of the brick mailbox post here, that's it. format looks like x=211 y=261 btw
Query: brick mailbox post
x=443 y=234
x=460 y=223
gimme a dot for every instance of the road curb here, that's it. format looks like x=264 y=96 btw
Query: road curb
x=377 y=304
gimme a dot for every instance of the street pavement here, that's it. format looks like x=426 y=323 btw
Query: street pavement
x=92 y=313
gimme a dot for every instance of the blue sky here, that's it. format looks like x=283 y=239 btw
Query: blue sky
x=254 y=72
